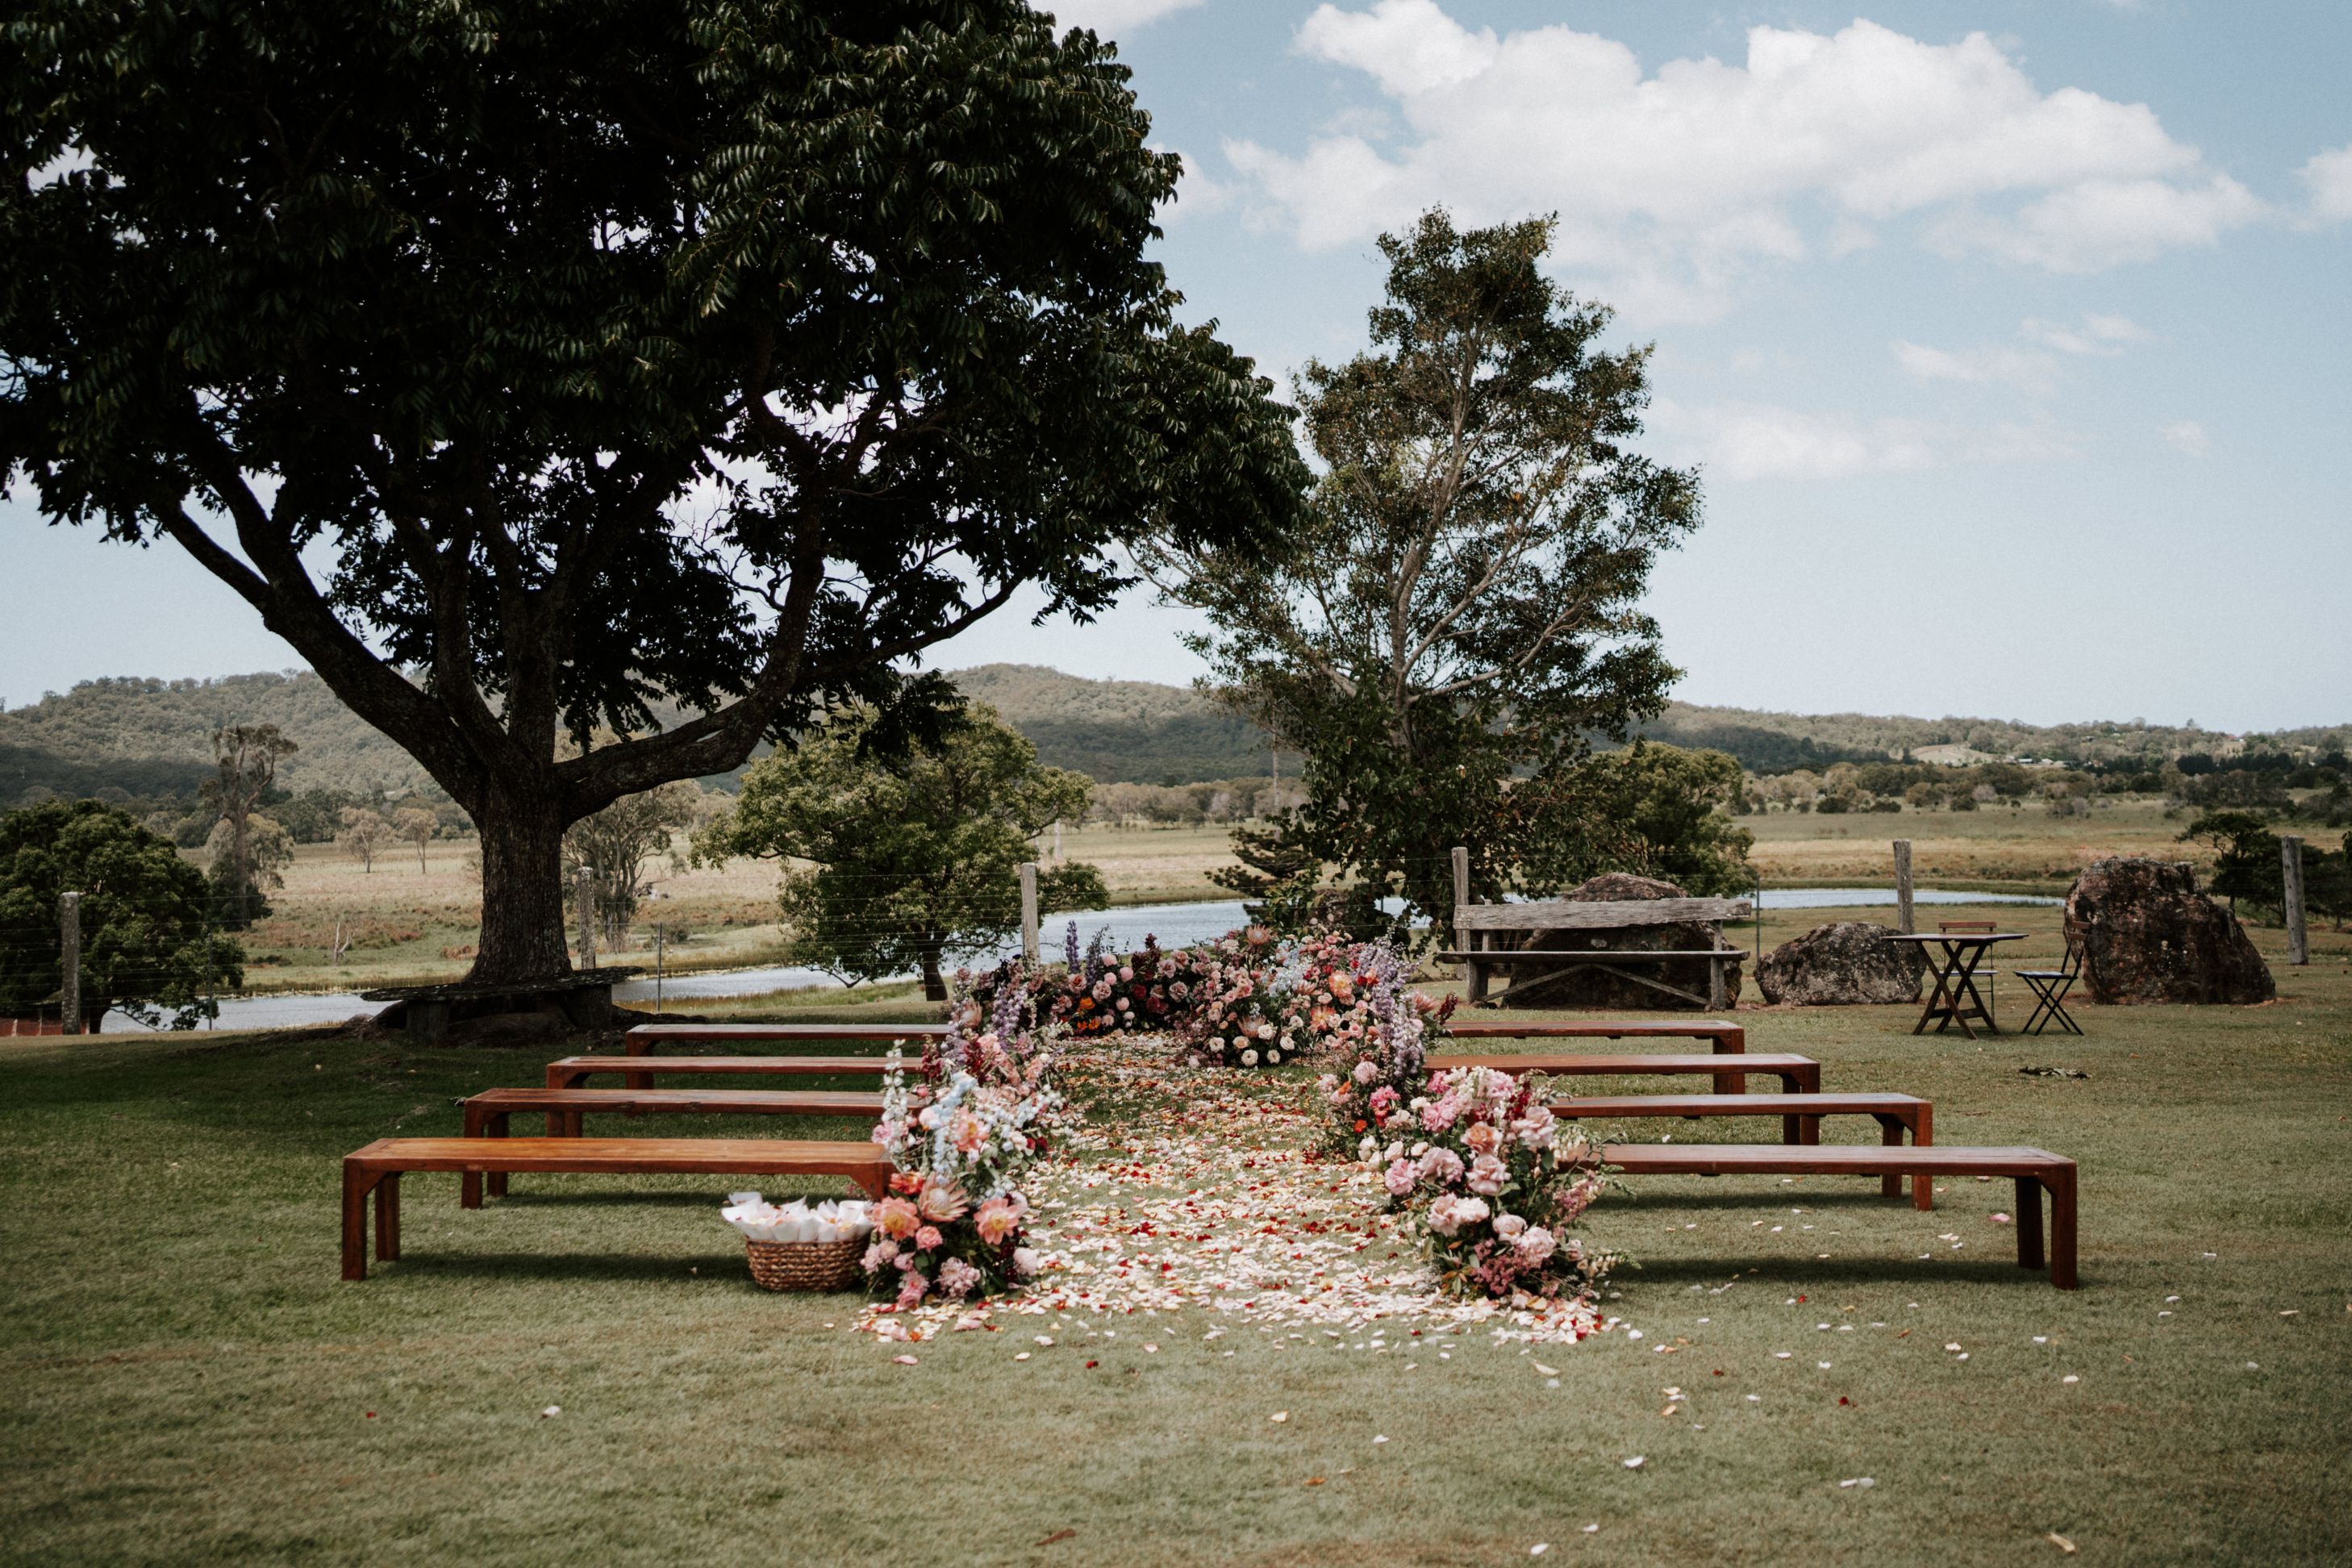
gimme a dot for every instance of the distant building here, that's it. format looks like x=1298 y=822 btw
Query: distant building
x=1950 y=756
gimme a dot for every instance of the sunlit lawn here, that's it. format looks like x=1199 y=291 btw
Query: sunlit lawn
x=187 y=1379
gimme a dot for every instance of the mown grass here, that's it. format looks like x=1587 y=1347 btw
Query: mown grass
x=188 y=1381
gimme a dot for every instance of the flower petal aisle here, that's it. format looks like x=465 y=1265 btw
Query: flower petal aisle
x=1183 y=1188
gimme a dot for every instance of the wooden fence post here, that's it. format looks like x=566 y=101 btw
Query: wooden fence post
x=69 y=961
x=2298 y=935
x=1903 y=919
x=1029 y=913
x=587 y=917
x=1462 y=939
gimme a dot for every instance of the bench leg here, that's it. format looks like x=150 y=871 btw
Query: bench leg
x=1923 y=1133
x=1788 y=1131
x=469 y=1183
x=2059 y=1184
x=2029 y=1222
x=357 y=1184
x=1890 y=1135
x=498 y=1129
x=387 y=1218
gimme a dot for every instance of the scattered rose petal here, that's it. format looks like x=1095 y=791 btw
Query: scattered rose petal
x=2061 y=1542
x=903 y=1360
x=1279 y=1416
x=552 y=1410
x=1636 y=1462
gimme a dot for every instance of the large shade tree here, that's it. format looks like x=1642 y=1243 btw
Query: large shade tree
x=596 y=350
x=1461 y=616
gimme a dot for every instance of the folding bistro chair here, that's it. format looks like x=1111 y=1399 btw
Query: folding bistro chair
x=2051 y=986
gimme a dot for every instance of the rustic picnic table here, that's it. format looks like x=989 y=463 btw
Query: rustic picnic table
x=1955 y=999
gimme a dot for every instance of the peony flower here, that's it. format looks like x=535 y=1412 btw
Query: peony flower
x=1443 y=1166
x=957 y=1277
x=1026 y=1261
x=1535 y=1244
x=967 y=1132
x=1508 y=1226
x=998 y=1218
x=1366 y=1072
x=1488 y=1175
x=1439 y=1114
x=1444 y=1216
x=929 y=1239
x=878 y=1256
x=895 y=1218
x=1400 y=1177
x=1535 y=1129
x=941 y=1203
x=1470 y=1211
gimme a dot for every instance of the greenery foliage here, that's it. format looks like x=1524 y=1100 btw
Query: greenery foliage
x=1459 y=617
x=915 y=849
x=615 y=843
x=1659 y=811
x=146 y=949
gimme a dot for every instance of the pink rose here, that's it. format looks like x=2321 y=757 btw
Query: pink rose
x=1400 y=1177
x=1534 y=1129
x=929 y=1239
x=1488 y=1175
x=1483 y=1139
x=957 y=1277
x=1439 y=1114
x=1443 y=1166
x=1535 y=1244
x=1508 y=1226
x=1026 y=1261
x=1444 y=1217
x=1366 y=1072
x=912 y=1290
x=878 y=1256
x=1470 y=1211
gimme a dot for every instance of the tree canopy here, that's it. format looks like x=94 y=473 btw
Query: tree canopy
x=916 y=851
x=736 y=351
x=145 y=948
x=1459 y=616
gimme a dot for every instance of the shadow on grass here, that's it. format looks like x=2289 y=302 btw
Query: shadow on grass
x=725 y=1268
x=1814 y=1275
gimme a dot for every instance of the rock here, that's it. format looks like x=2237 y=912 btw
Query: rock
x=2150 y=936
x=1842 y=962
x=1606 y=988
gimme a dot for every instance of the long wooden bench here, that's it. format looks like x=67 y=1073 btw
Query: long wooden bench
x=569 y=1072
x=2037 y=1171
x=1801 y=1117
x=645 y=1038
x=1798 y=1075
x=377 y=1169
x=489 y=1114
x=1723 y=1038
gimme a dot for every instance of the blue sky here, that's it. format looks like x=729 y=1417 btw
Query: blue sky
x=2011 y=339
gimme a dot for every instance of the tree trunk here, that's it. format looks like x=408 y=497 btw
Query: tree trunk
x=935 y=985
x=522 y=889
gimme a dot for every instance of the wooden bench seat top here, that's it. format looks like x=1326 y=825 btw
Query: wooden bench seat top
x=806 y=1101
x=703 y=1156
x=1697 y=1105
x=1829 y=1160
x=565 y=1071
x=645 y=1037
x=1764 y=1062
x=1597 y=1029
x=1502 y=955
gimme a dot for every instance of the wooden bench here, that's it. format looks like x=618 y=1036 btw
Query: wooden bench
x=644 y=1039
x=378 y=1168
x=487 y=1115
x=2037 y=1171
x=1798 y=1075
x=1801 y=1117
x=569 y=1072
x=1725 y=1038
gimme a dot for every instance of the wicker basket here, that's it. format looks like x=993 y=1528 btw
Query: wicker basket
x=806 y=1265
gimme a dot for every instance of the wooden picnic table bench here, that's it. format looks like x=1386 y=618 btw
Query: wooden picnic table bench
x=1801 y=1117
x=488 y=1113
x=378 y=1168
x=1489 y=932
x=1798 y=1075
x=569 y=1072
x=2037 y=1171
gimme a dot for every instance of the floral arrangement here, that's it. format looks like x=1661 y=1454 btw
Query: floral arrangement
x=1099 y=992
x=1493 y=1183
x=962 y=1133
x=1383 y=1047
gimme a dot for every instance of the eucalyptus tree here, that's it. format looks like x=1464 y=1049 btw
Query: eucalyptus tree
x=522 y=364
x=1460 y=617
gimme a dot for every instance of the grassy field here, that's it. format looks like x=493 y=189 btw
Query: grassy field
x=406 y=924
x=188 y=1381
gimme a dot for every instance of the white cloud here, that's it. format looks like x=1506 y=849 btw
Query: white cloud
x=1673 y=184
x=2033 y=368
x=2329 y=177
x=1766 y=441
x=2186 y=436
x=1197 y=195
x=1111 y=17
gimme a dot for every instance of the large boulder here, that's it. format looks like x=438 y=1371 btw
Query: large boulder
x=1842 y=962
x=2150 y=936
x=1601 y=988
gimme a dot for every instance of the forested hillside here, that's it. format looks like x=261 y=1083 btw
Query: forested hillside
x=152 y=738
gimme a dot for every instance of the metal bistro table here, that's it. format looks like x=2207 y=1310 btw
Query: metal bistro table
x=1955 y=999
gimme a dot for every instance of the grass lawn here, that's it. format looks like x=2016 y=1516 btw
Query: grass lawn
x=188 y=1381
